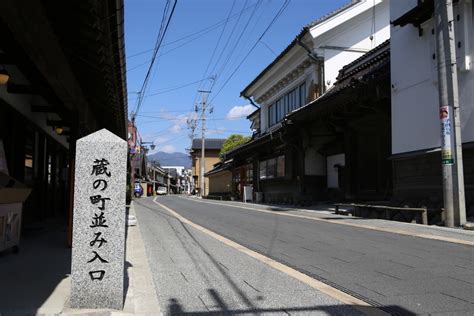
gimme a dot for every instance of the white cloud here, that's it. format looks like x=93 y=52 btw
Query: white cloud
x=179 y=121
x=168 y=149
x=240 y=111
x=160 y=140
x=176 y=128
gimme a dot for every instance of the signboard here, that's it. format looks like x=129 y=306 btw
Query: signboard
x=445 y=113
x=98 y=251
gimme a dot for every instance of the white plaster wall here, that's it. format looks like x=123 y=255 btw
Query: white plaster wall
x=354 y=33
x=415 y=104
x=314 y=163
x=352 y=29
x=332 y=173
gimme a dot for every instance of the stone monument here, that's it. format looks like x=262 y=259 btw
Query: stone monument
x=98 y=245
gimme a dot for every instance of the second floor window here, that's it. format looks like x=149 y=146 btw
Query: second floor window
x=286 y=104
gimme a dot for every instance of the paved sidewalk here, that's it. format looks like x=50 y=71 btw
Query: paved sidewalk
x=37 y=280
x=195 y=274
x=324 y=212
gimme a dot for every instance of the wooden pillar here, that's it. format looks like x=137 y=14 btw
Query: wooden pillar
x=70 y=181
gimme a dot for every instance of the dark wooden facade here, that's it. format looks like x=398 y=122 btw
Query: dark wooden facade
x=352 y=118
x=418 y=179
x=66 y=62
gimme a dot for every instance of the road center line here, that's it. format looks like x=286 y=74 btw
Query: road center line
x=381 y=229
x=318 y=285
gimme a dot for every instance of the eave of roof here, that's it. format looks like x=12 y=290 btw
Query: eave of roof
x=305 y=29
x=254 y=142
x=364 y=60
x=377 y=58
x=210 y=143
x=296 y=40
x=253 y=113
x=219 y=168
x=416 y=16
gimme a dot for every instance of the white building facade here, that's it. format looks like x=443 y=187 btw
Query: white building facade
x=310 y=64
x=416 y=128
x=415 y=102
x=309 y=67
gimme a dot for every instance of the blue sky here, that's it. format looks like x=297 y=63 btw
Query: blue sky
x=190 y=42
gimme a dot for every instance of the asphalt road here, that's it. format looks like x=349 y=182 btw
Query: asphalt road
x=196 y=274
x=405 y=274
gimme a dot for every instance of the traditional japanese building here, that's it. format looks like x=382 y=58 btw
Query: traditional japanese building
x=416 y=120
x=335 y=147
x=65 y=68
x=284 y=161
x=212 y=150
x=220 y=179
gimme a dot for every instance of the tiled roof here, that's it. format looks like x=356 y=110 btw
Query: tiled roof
x=218 y=167
x=298 y=38
x=374 y=60
x=210 y=143
x=371 y=57
x=333 y=13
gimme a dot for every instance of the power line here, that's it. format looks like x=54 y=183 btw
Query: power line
x=161 y=34
x=277 y=15
x=233 y=49
x=203 y=31
x=227 y=42
x=183 y=118
x=170 y=89
x=217 y=43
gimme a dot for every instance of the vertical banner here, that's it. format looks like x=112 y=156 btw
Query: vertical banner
x=445 y=114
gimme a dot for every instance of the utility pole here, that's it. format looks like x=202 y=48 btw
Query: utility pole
x=204 y=94
x=451 y=143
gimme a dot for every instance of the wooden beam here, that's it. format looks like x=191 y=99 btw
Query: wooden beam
x=6 y=59
x=56 y=123
x=21 y=89
x=43 y=109
x=30 y=29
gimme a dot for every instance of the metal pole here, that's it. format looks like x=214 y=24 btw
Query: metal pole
x=202 y=189
x=451 y=143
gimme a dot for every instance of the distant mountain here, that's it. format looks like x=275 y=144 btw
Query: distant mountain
x=171 y=159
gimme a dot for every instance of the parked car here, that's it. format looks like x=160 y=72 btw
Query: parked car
x=161 y=191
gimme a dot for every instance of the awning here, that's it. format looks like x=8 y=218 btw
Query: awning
x=416 y=16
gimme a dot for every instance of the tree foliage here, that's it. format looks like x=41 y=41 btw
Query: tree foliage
x=233 y=141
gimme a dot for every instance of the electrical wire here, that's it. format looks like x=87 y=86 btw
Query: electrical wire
x=161 y=34
x=277 y=15
x=203 y=31
x=227 y=43
x=170 y=89
x=233 y=49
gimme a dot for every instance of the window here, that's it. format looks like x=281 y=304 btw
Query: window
x=272 y=115
x=280 y=110
x=249 y=173
x=272 y=168
x=286 y=104
x=280 y=172
x=263 y=169
x=302 y=89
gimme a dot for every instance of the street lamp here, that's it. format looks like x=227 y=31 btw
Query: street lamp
x=4 y=76
x=152 y=146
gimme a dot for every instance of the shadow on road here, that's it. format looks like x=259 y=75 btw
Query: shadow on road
x=175 y=308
